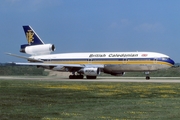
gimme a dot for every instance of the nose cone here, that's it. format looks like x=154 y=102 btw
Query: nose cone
x=171 y=61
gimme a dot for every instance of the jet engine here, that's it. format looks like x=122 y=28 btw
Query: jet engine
x=118 y=74
x=90 y=71
x=38 y=49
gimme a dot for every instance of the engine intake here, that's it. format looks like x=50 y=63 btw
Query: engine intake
x=90 y=71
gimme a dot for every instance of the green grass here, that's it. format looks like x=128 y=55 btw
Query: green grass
x=50 y=100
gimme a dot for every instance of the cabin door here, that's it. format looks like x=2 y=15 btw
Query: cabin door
x=125 y=60
x=90 y=61
x=155 y=60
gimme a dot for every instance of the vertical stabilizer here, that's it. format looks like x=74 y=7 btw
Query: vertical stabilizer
x=31 y=36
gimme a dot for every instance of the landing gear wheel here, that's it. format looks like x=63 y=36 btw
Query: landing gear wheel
x=71 y=76
x=79 y=76
x=147 y=77
x=91 y=77
x=76 y=76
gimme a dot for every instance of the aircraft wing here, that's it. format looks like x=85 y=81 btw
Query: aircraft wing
x=60 y=67
x=47 y=64
x=66 y=67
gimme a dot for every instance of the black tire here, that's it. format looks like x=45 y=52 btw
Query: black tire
x=79 y=77
x=76 y=76
x=147 y=78
x=91 y=77
x=71 y=77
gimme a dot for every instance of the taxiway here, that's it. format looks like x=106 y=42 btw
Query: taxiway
x=99 y=79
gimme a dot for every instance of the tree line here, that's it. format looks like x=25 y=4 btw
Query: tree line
x=6 y=70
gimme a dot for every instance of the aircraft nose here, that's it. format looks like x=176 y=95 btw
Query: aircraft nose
x=172 y=61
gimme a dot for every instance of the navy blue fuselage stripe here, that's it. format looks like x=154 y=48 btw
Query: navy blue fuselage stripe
x=168 y=60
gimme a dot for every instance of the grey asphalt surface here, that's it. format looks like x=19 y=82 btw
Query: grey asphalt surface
x=99 y=79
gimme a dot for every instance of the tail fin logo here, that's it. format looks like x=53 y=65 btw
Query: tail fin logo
x=29 y=36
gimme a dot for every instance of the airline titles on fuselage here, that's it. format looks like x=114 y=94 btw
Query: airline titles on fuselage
x=113 y=55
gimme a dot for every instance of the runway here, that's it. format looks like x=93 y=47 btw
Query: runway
x=99 y=79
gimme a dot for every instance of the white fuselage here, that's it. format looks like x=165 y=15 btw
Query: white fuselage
x=113 y=61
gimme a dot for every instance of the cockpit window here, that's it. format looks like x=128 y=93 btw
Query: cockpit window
x=165 y=58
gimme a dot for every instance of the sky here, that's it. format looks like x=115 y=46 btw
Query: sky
x=92 y=26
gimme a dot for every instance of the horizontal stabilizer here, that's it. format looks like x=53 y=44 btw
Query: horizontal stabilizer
x=23 y=57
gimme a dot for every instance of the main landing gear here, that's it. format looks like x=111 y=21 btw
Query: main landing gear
x=79 y=76
x=76 y=76
x=91 y=77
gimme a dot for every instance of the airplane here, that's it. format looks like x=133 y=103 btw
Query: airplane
x=89 y=64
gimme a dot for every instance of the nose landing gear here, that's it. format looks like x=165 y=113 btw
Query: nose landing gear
x=147 y=75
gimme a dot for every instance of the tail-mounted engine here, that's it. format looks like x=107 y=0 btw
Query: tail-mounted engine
x=37 y=49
